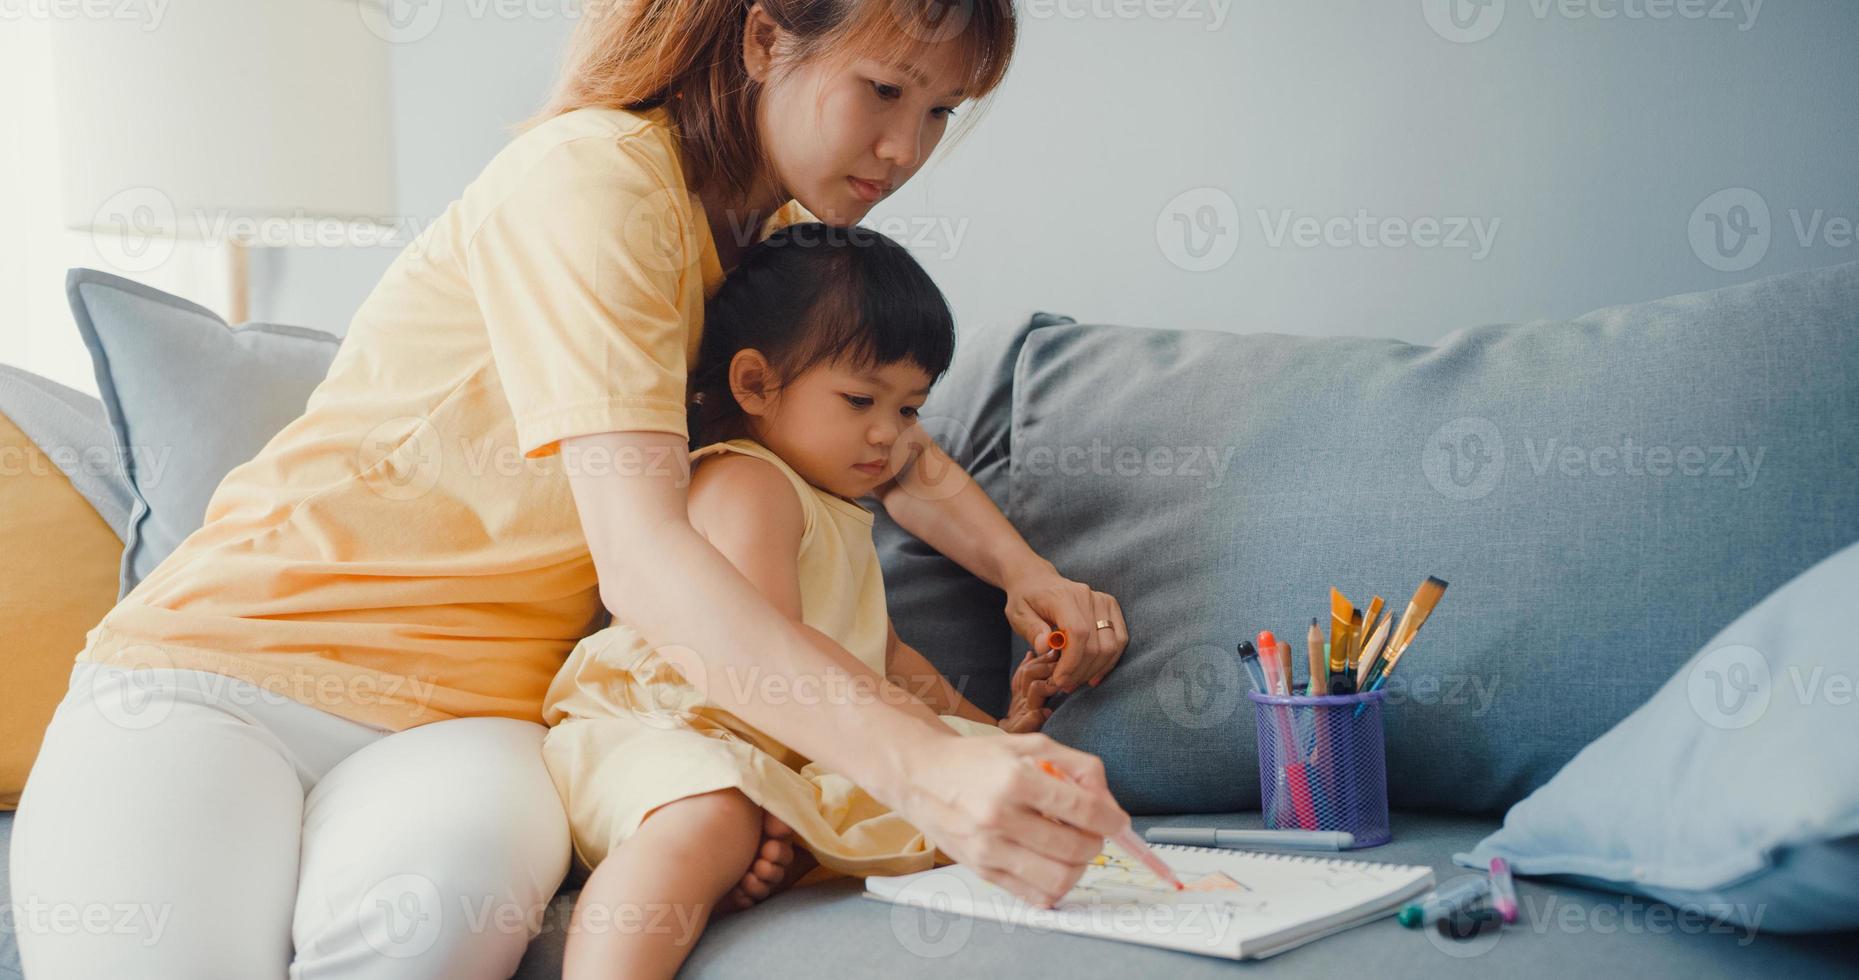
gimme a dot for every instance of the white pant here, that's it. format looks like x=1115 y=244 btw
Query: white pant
x=183 y=824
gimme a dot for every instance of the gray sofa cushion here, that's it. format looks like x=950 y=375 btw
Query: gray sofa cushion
x=1603 y=495
x=955 y=619
x=188 y=398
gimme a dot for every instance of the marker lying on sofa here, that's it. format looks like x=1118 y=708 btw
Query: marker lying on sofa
x=1503 y=890
x=1310 y=840
x=1445 y=901
x=1126 y=838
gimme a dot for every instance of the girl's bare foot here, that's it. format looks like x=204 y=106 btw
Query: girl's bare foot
x=778 y=864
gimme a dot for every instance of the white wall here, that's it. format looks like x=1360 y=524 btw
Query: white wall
x=461 y=78
x=1581 y=144
x=36 y=330
x=1586 y=143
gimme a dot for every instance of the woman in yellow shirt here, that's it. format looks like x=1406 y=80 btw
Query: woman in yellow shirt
x=312 y=732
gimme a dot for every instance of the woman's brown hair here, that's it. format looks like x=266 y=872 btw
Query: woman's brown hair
x=687 y=55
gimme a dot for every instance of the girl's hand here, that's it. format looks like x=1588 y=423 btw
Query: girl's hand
x=1032 y=685
x=1041 y=599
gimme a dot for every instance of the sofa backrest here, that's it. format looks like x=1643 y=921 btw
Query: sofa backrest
x=1602 y=495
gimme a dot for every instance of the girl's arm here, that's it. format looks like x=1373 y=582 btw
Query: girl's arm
x=933 y=498
x=1026 y=710
x=908 y=669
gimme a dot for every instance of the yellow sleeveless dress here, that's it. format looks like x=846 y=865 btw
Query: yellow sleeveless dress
x=632 y=728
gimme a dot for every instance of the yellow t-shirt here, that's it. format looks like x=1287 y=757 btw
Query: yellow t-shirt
x=408 y=550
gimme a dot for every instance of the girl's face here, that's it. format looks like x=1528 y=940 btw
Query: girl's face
x=841 y=139
x=835 y=424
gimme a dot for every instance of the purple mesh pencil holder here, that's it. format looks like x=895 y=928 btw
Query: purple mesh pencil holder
x=1322 y=765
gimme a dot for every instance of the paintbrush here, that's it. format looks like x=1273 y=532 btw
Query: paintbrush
x=1340 y=613
x=1371 y=651
x=1368 y=623
x=1418 y=609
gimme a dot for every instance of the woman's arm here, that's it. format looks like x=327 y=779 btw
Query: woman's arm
x=933 y=498
x=979 y=799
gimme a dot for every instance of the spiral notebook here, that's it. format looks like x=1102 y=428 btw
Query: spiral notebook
x=1239 y=904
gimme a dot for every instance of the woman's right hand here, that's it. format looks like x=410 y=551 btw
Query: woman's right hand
x=986 y=803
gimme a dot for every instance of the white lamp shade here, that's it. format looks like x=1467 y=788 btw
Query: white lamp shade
x=215 y=114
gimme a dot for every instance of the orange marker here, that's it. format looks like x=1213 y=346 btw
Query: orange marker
x=1126 y=838
x=1055 y=640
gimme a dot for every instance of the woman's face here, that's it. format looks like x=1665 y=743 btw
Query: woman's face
x=841 y=139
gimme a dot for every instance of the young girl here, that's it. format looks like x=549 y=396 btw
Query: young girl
x=817 y=353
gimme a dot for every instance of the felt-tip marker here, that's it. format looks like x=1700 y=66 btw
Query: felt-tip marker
x=1443 y=902
x=1503 y=890
x=1126 y=838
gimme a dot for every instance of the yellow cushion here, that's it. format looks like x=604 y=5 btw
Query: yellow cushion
x=58 y=575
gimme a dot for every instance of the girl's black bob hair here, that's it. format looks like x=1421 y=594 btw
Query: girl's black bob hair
x=807 y=294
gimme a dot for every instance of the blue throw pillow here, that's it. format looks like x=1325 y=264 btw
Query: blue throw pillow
x=188 y=399
x=1736 y=788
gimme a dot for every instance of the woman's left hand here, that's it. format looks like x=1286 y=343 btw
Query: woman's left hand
x=1041 y=600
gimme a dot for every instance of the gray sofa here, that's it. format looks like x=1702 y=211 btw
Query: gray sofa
x=1345 y=462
